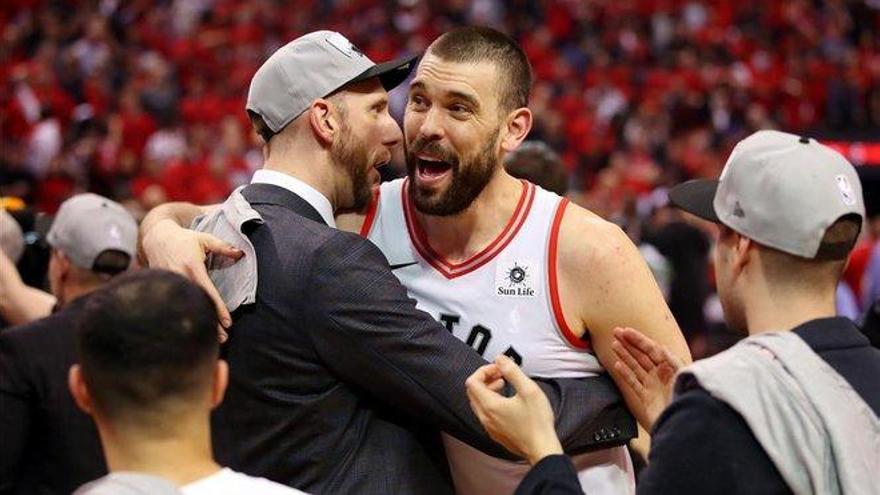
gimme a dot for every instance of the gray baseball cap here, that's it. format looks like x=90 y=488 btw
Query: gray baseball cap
x=311 y=67
x=87 y=225
x=780 y=190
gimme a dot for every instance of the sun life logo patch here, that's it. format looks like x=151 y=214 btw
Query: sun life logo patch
x=516 y=278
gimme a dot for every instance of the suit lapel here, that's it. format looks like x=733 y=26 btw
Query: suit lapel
x=275 y=195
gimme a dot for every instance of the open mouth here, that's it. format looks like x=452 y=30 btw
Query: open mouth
x=430 y=170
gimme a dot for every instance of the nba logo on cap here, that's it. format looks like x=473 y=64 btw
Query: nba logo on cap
x=343 y=45
x=846 y=190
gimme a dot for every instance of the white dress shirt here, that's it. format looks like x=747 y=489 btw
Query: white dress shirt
x=318 y=201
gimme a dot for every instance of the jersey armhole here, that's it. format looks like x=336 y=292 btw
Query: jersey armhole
x=367 y=226
x=553 y=278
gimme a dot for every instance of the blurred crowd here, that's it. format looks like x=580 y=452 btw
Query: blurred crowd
x=142 y=101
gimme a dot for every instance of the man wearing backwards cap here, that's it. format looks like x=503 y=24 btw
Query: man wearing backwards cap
x=794 y=407
x=49 y=446
x=337 y=382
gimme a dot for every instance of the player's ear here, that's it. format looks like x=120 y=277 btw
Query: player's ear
x=221 y=380
x=742 y=252
x=518 y=125
x=323 y=119
x=79 y=390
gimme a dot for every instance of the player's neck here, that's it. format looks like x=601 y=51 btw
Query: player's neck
x=180 y=458
x=458 y=237
x=785 y=310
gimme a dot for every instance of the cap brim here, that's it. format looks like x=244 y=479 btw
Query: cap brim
x=391 y=73
x=696 y=197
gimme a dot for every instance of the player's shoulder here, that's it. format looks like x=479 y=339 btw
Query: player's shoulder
x=342 y=249
x=585 y=237
x=386 y=198
x=284 y=227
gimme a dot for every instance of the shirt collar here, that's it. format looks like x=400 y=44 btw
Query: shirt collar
x=300 y=188
x=831 y=333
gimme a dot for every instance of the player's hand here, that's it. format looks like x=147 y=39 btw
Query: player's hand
x=171 y=247
x=524 y=423
x=648 y=369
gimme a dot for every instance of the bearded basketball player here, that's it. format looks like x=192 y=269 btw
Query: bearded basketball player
x=507 y=267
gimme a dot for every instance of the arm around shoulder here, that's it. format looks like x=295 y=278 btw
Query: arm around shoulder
x=367 y=329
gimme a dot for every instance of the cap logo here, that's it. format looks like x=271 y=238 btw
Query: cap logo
x=738 y=211
x=343 y=45
x=847 y=195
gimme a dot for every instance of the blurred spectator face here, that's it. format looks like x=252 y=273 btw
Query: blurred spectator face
x=368 y=136
x=452 y=126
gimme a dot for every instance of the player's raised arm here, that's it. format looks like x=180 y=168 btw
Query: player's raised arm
x=20 y=303
x=605 y=283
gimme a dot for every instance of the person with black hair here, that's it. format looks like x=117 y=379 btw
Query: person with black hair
x=149 y=376
x=49 y=446
x=793 y=407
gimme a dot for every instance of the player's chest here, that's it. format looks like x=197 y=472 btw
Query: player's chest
x=500 y=308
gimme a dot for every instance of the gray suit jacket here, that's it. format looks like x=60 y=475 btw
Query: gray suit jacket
x=338 y=384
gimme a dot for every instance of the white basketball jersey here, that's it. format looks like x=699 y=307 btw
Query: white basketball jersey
x=503 y=300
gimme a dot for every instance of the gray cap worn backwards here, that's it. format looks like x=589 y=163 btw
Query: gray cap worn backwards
x=780 y=190
x=87 y=225
x=310 y=67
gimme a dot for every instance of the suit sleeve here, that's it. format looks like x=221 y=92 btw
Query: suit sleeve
x=15 y=413
x=366 y=328
x=552 y=475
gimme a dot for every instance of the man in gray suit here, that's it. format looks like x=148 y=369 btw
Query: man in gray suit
x=338 y=384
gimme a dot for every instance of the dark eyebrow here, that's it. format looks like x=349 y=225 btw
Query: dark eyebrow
x=470 y=100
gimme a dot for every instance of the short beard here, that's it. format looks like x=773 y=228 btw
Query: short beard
x=353 y=157
x=467 y=182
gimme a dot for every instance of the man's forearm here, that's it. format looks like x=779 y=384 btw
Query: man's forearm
x=19 y=303
x=23 y=304
x=590 y=413
x=404 y=357
x=179 y=213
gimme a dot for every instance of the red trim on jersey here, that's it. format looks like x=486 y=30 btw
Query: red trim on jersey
x=452 y=270
x=371 y=214
x=555 y=302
